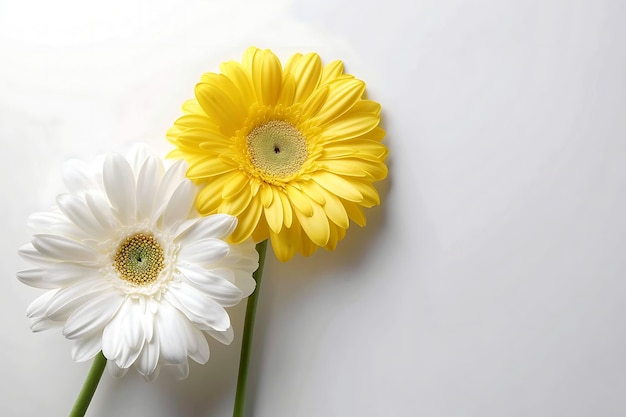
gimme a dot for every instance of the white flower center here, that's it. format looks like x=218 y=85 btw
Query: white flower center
x=139 y=259
x=277 y=148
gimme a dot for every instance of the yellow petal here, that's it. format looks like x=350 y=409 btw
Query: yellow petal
x=370 y=195
x=286 y=243
x=376 y=134
x=311 y=107
x=336 y=234
x=376 y=171
x=314 y=191
x=315 y=226
x=240 y=78
x=286 y=205
x=198 y=137
x=208 y=167
x=334 y=238
x=351 y=167
x=247 y=221
x=335 y=211
x=193 y=120
x=209 y=197
x=219 y=99
x=355 y=212
x=192 y=106
x=366 y=106
x=350 y=126
x=338 y=186
x=292 y=62
x=238 y=203
x=366 y=149
x=274 y=214
x=342 y=97
x=288 y=90
x=299 y=201
x=261 y=231
x=355 y=167
x=248 y=57
x=267 y=195
x=307 y=247
x=332 y=71
x=267 y=76
x=307 y=71
x=216 y=145
x=235 y=186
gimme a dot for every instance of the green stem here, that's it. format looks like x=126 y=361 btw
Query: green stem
x=89 y=387
x=248 y=329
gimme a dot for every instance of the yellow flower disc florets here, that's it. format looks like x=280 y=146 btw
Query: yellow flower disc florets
x=139 y=259
x=277 y=148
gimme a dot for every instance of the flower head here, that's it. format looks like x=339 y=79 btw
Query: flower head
x=132 y=270
x=292 y=152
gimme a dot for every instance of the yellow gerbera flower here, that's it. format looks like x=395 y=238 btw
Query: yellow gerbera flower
x=292 y=152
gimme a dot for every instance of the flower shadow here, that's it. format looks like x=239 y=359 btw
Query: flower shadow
x=287 y=283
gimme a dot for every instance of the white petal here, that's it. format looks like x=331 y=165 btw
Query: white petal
x=123 y=337
x=171 y=179
x=41 y=323
x=242 y=256
x=101 y=209
x=34 y=277
x=217 y=226
x=78 y=212
x=63 y=248
x=151 y=377
x=180 y=204
x=38 y=307
x=200 y=353
x=245 y=282
x=66 y=300
x=57 y=275
x=45 y=221
x=147 y=184
x=115 y=371
x=77 y=177
x=119 y=183
x=92 y=315
x=147 y=324
x=203 y=251
x=225 y=273
x=53 y=222
x=171 y=334
x=138 y=155
x=181 y=371
x=212 y=285
x=86 y=348
x=133 y=336
x=198 y=308
x=63 y=274
x=183 y=226
x=226 y=337
x=147 y=363
x=32 y=255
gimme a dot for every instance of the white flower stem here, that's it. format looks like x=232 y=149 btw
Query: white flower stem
x=248 y=329
x=89 y=387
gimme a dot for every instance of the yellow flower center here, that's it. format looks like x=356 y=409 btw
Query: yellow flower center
x=277 y=148
x=139 y=259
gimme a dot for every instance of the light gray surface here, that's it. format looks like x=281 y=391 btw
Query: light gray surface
x=490 y=283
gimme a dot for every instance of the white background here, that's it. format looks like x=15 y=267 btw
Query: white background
x=491 y=281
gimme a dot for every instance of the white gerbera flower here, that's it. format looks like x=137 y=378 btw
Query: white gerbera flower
x=131 y=268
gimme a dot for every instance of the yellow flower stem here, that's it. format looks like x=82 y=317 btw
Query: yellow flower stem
x=89 y=387
x=248 y=329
